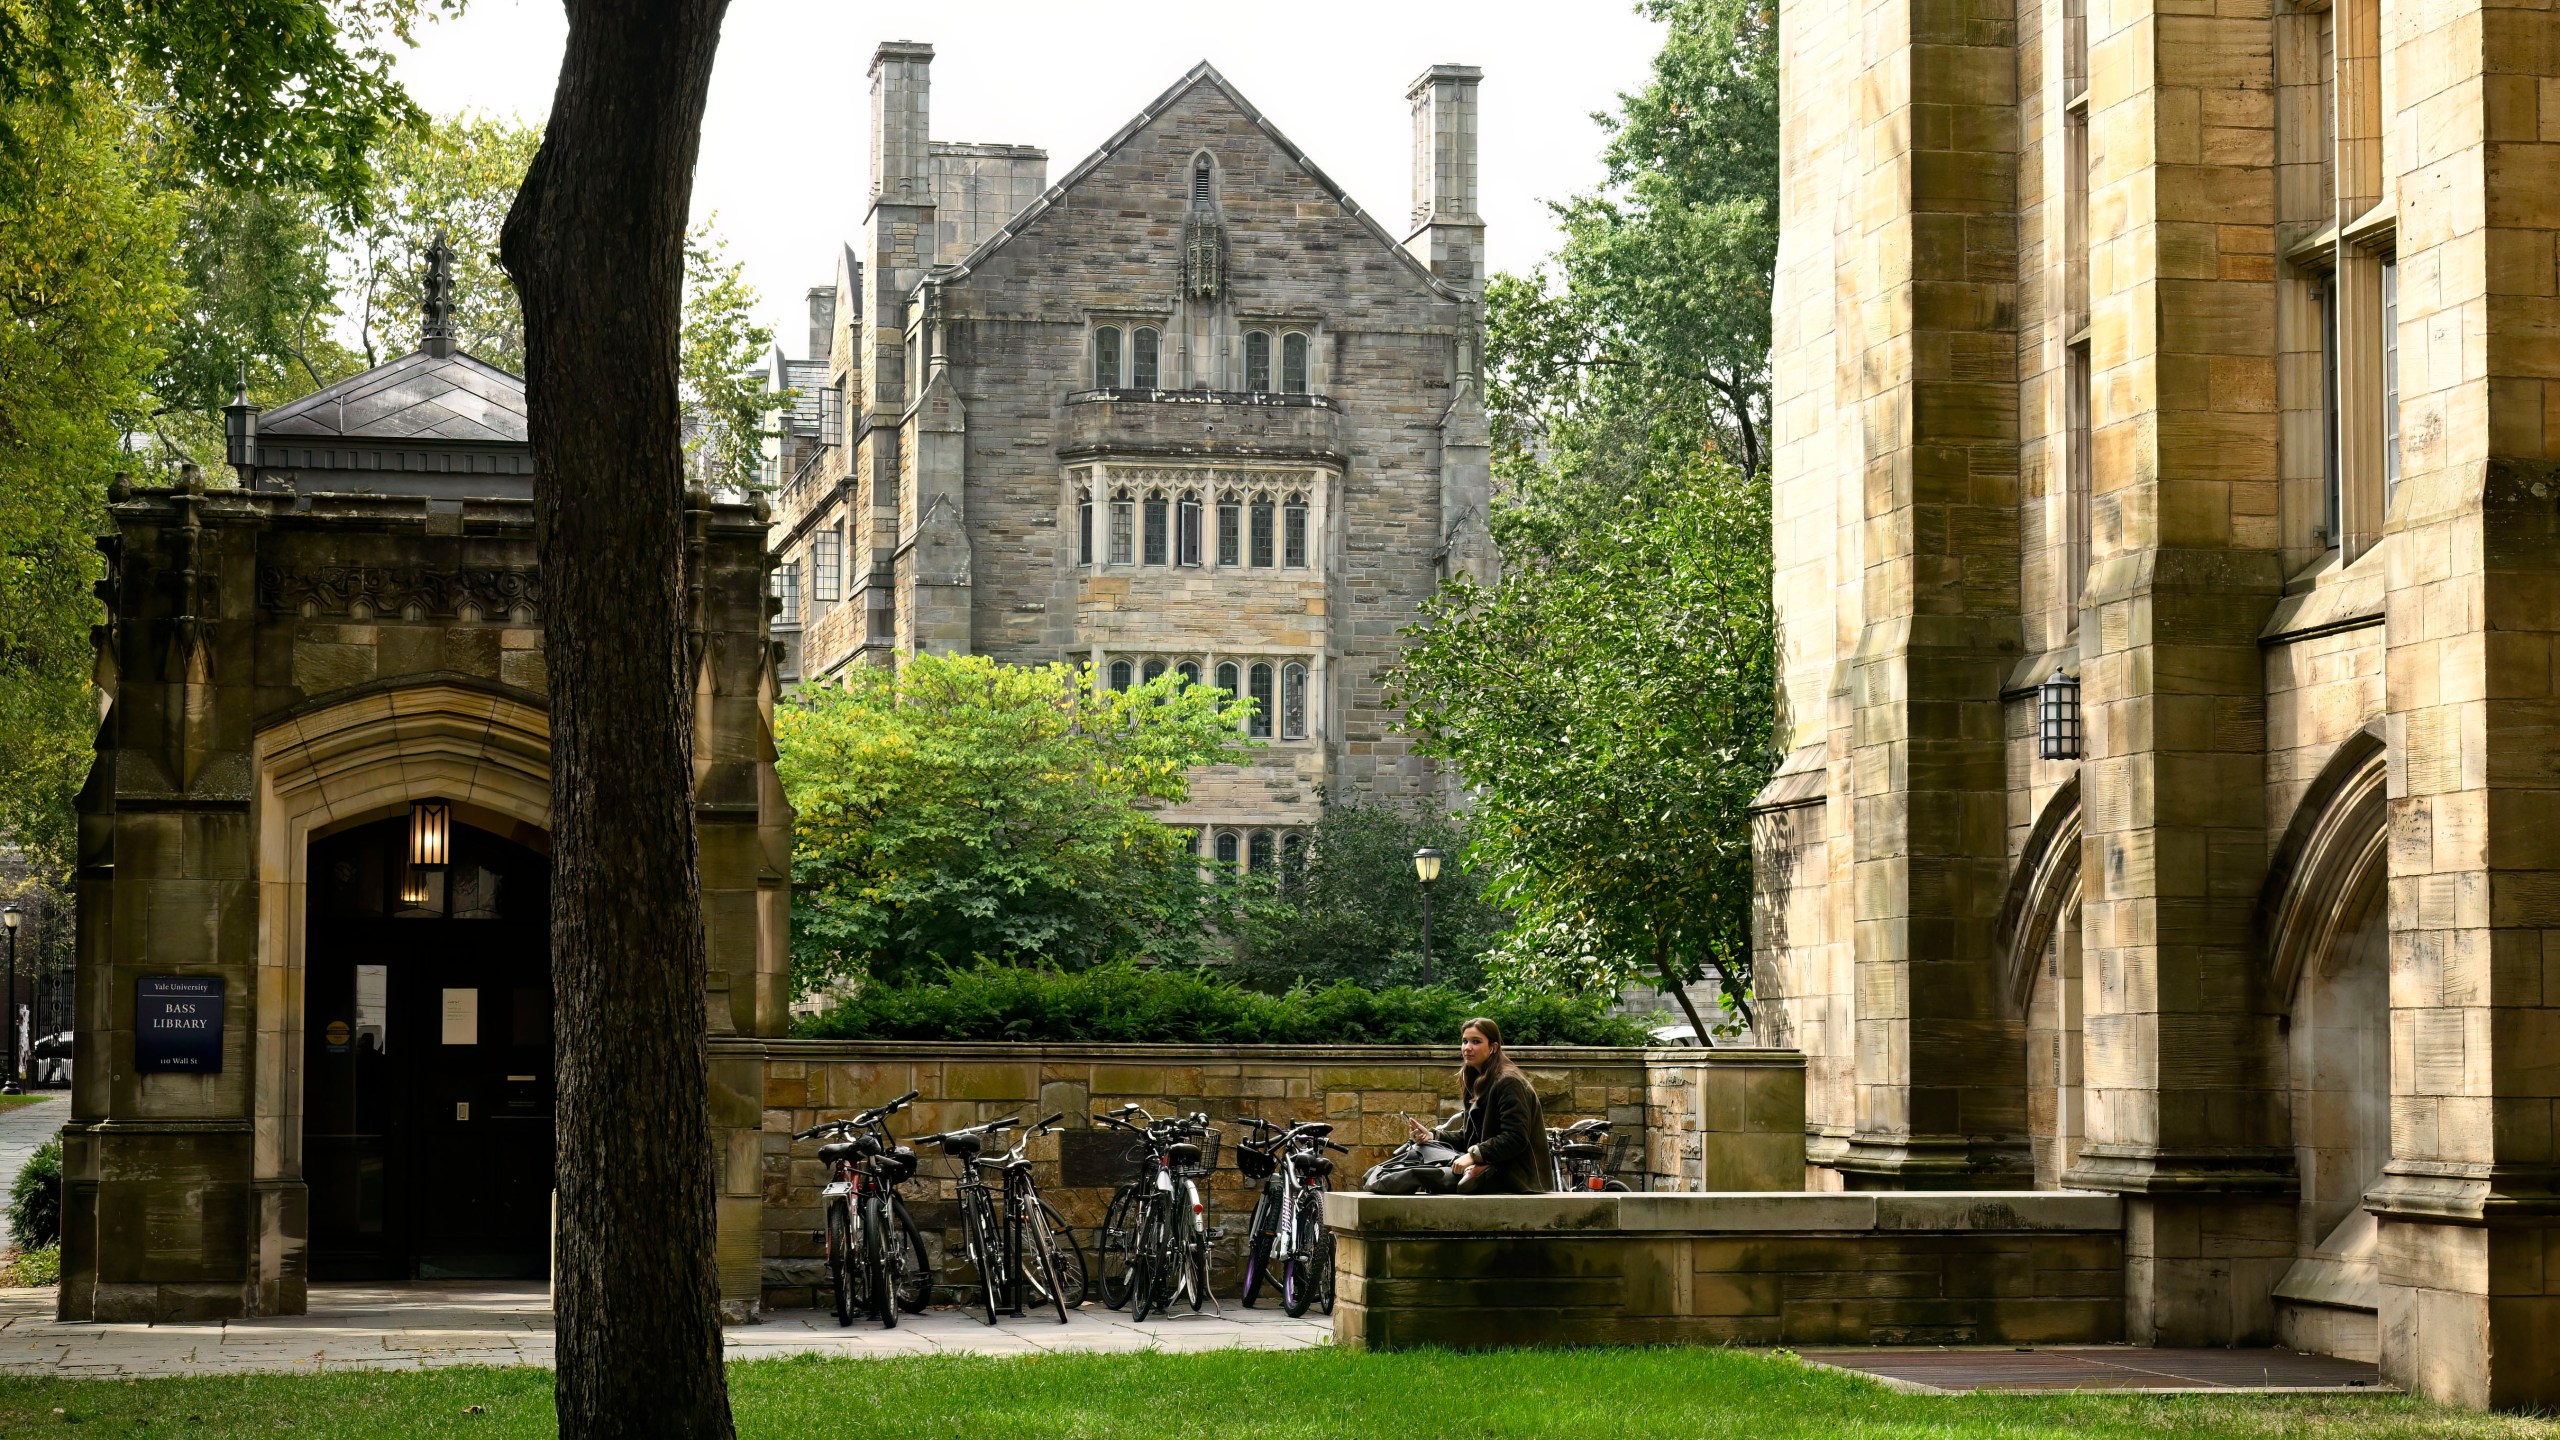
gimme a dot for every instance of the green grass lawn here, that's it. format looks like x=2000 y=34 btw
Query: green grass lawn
x=1232 y=1395
x=11 y=1102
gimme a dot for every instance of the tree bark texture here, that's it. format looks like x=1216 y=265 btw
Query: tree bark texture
x=595 y=244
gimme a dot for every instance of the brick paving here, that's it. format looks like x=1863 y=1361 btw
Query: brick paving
x=2122 y=1368
x=426 y=1326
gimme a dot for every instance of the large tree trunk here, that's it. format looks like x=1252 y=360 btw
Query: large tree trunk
x=596 y=246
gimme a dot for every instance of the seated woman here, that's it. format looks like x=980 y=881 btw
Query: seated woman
x=1502 y=1130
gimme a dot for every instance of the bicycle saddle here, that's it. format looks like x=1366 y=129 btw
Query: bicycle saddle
x=838 y=1153
x=966 y=1147
x=1581 y=1152
x=1182 y=1152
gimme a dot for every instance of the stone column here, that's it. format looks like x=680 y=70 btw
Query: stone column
x=1939 y=1064
x=897 y=246
x=2183 y=1113
x=2470 y=1205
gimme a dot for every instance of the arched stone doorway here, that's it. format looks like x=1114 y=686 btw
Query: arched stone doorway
x=2328 y=923
x=330 y=771
x=2040 y=925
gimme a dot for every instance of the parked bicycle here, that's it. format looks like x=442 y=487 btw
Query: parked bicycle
x=875 y=1255
x=1154 y=1246
x=1579 y=1157
x=1021 y=1247
x=1289 y=1234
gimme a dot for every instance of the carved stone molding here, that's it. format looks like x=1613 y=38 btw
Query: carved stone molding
x=369 y=592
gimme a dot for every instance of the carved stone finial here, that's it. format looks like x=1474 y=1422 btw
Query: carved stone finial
x=435 y=334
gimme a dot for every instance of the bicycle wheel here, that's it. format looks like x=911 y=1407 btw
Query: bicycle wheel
x=913 y=1269
x=878 y=1286
x=840 y=1261
x=1324 y=1272
x=1257 y=1255
x=1298 y=1271
x=985 y=1249
x=1066 y=1258
x=1154 y=1264
x=1115 y=1246
x=1035 y=1273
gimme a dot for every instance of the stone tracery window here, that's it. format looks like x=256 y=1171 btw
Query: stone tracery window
x=1124 y=527
x=1293 y=701
x=1259 y=726
x=1187 y=529
x=1106 y=357
x=1262 y=518
x=1189 y=670
x=1153 y=670
x=1293 y=532
x=1157 y=524
x=1084 y=523
x=1261 y=851
x=1120 y=674
x=1144 y=347
x=1226 y=847
x=1293 y=364
x=1257 y=361
x=1230 y=678
x=1230 y=529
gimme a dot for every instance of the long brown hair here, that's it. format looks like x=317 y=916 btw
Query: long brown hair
x=1497 y=1064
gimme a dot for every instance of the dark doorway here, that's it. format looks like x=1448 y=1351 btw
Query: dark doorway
x=427 y=1080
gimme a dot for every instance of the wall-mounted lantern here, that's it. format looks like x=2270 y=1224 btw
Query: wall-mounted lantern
x=430 y=835
x=2058 y=717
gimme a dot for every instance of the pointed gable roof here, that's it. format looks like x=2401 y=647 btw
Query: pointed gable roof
x=456 y=398
x=1201 y=74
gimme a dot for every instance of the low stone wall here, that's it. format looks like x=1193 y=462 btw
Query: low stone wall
x=1945 y=1268
x=1737 y=1113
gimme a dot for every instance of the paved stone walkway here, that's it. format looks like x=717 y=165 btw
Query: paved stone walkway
x=2124 y=1369
x=414 y=1327
x=22 y=1129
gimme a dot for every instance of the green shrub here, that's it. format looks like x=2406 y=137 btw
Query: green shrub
x=1122 y=1003
x=33 y=1267
x=35 y=1201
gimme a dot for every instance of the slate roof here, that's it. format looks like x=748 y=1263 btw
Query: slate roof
x=453 y=398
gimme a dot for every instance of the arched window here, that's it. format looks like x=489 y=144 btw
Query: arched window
x=1186 y=529
x=1261 y=850
x=1156 y=527
x=1293 y=364
x=1143 y=347
x=1262 y=529
x=1119 y=674
x=1106 y=357
x=1293 y=859
x=1124 y=528
x=1230 y=678
x=1259 y=727
x=1226 y=847
x=1189 y=670
x=1153 y=669
x=1084 y=523
x=1257 y=360
x=1230 y=530
x=1293 y=702
x=1293 y=532
x=1200 y=180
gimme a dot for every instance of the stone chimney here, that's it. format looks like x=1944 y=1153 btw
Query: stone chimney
x=901 y=108
x=1448 y=234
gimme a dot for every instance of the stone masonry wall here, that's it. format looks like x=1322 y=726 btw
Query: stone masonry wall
x=1749 y=1129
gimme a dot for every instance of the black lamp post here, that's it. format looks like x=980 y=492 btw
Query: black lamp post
x=1426 y=864
x=12 y=917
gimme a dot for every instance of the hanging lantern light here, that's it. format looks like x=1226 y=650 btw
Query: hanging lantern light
x=430 y=835
x=413 y=887
x=2058 y=717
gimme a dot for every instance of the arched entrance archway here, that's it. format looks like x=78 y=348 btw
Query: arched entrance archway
x=2329 y=944
x=325 y=770
x=2040 y=925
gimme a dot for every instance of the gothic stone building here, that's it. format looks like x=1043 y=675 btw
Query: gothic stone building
x=313 y=1001
x=1191 y=408
x=2204 y=356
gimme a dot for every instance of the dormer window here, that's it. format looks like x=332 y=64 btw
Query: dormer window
x=1257 y=361
x=1293 y=364
x=1145 y=344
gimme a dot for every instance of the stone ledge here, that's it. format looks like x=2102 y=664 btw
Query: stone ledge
x=1732 y=1212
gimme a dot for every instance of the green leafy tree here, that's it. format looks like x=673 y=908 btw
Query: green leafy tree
x=724 y=394
x=1611 y=707
x=453 y=176
x=1350 y=908
x=86 y=287
x=260 y=311
x=1657 y=311
x=956 y=808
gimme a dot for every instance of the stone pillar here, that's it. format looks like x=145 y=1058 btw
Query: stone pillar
x=2183 y=1114
x=936 y=572
x=1447 y=234
x=2469 y=1208
x=897 y=246
x=1941 y=1100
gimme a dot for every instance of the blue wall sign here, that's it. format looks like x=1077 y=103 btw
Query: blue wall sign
x=177 y=1023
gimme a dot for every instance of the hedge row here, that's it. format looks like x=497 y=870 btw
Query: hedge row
x=1124 y=1004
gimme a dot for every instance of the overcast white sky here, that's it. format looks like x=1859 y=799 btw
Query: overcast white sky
x=784 y=146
